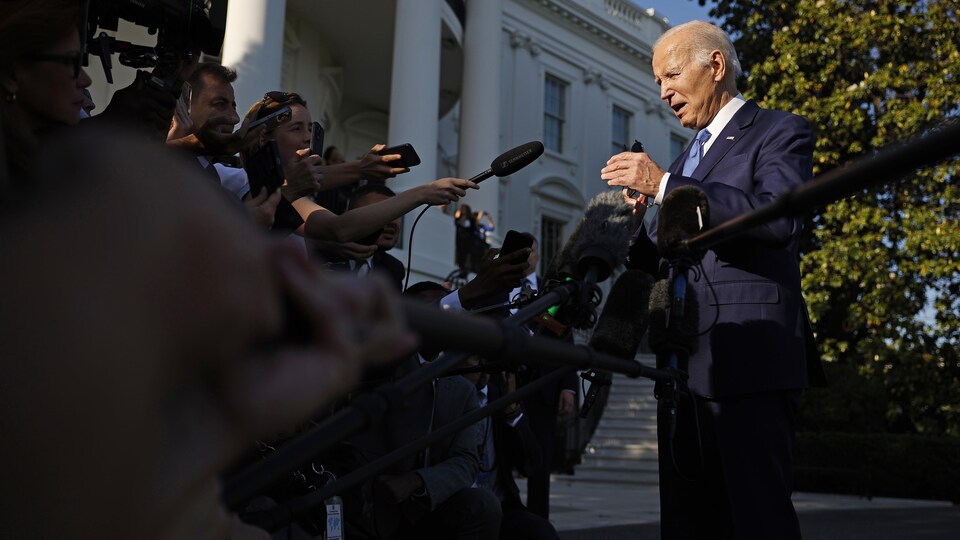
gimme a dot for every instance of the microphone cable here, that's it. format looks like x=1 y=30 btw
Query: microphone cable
x=406 y=281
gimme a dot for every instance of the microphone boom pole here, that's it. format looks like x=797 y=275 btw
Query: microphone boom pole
x=493 y=339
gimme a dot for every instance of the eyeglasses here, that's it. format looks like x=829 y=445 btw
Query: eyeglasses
x=74 y=60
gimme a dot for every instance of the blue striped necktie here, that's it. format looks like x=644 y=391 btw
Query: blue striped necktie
x=696 y=152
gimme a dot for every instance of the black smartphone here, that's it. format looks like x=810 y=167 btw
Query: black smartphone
x=316 y=139
x=636 y=148
x=273 y=119
x=408 y=156
x=264 y=169
x=514 y=241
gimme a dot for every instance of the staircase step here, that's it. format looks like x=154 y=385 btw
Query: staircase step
x=627 y=453
x=623 y=441
x=621 y=465
x=626 y=424
x=627 y=414
x=632 y=444
x=611 y=477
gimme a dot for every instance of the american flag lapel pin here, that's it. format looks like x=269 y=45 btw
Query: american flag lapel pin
x=730 y=138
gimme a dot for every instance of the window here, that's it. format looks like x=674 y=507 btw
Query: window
x=554 y=112
x=551 y=239
x=677 y=146
x=621 y=131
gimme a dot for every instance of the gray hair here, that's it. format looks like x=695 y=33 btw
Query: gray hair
x=703 y=39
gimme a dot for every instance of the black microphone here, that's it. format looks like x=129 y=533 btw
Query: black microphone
x=511 y=161
x=620 y=328
x=673 y=334
x=600 y=240
x=683 y=214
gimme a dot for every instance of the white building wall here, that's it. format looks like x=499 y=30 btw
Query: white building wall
x=601 y=49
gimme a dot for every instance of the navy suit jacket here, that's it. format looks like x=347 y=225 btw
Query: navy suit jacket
x=762 y=339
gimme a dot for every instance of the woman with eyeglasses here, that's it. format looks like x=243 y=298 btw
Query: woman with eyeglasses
x=41 y=77
x=304 y=176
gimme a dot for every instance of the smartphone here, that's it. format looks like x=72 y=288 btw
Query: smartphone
x=273 y=119
x=514 y=241
x=637 y=147
x=408 y=156
x=186 y=95
x=316 y=139
x=264 y=169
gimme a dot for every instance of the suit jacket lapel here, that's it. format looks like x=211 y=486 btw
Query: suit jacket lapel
x=727 y=139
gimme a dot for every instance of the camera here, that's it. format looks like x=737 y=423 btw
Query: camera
x=184 y=28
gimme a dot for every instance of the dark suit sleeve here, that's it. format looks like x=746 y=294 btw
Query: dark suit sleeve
x=460 y=466
x=783 y=161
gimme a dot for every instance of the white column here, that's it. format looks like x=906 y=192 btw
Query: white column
x=480 y=102
x=415 y=85
x=253 y=45
x=414 y=112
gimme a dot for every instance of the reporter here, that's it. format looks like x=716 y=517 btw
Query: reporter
x=304 y=176
x=41 y=78
x=209 y=130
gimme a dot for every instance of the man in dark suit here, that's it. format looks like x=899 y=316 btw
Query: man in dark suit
x=755 y=359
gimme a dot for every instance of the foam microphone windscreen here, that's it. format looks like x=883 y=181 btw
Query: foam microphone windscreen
x=624 y=317
x=601 y=239
x=683 y=214
x=683 y=338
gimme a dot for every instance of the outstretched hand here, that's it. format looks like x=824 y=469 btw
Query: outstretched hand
x=446 y=190
x=373 y=166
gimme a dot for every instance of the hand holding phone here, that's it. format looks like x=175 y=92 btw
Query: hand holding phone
x=515 y=241
x=636 y=148
x=408 y=156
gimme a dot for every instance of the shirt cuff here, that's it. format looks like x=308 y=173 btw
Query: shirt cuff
x=451 y=302
x=514 y=421
x=663 y=189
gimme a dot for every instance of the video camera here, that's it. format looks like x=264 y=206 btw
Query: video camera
x=184 y=28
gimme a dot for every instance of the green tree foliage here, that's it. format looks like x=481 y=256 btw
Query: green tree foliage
x=881 y=269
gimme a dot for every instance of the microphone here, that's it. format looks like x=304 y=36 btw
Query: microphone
x=599 y=242
x=620 y=328
x=684 y=213
x=511 y=161
x=673 y=332
x=674 y=321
